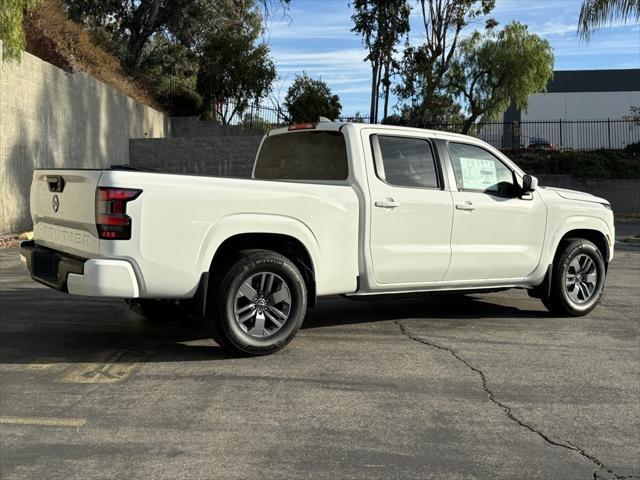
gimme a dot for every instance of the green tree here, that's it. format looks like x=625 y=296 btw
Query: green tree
x=490 y=69
x=308 y=99
x=132 y=26
x=425 y=67
x=234 y=70
x=253 y=121
x=11 y=31
x=595 y=14
x=382 y=24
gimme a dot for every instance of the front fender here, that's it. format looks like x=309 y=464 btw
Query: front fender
x=243 y=223
x=568 y=224
x=581 y=222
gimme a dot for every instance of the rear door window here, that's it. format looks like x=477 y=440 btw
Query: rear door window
x=406 y=162
x=309 y=155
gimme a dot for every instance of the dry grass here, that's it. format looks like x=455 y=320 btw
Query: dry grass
x=9 y=241
x=52 y=36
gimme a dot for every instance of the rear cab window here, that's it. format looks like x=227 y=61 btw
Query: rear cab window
x=304 y=156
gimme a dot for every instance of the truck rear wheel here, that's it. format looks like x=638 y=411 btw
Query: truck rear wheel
x=258 y=305
x=578 y=279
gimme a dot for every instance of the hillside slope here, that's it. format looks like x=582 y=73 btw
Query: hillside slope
x=53 y=37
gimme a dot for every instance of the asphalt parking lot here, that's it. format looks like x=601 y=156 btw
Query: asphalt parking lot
x=479 y=386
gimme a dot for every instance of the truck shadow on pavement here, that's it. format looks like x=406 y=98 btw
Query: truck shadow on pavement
x=39 y=326
x=454 y=307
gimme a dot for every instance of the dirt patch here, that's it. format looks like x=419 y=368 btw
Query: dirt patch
x=9 y=242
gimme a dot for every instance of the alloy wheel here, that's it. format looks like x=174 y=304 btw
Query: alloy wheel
x=262 y=304
x=581 y=279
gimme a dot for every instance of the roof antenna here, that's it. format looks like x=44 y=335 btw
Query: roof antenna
x=324 y=120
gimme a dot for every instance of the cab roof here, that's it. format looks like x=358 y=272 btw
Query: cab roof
x=337 y=126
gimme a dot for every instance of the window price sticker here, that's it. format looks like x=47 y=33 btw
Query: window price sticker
x=478 y=174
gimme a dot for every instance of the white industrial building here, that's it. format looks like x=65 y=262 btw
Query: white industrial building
x=581 y=109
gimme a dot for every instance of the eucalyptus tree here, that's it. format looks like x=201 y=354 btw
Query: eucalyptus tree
x=382 y=24
x=425 y=67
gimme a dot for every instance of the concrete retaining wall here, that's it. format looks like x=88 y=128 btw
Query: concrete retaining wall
x=50 y=118
x=624 y=194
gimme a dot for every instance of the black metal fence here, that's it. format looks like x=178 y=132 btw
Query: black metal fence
x=592 y=134
x=266 y=116
x=256 y=116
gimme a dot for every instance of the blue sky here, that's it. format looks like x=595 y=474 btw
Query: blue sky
x=316 y=37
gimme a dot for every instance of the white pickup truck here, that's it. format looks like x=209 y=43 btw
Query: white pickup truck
x=331 y=209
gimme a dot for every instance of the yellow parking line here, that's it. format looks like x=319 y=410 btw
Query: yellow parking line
x=38 y=366
x=44 y=363
x=43 y=421
x=112 y=368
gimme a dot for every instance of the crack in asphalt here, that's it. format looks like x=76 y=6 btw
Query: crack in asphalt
x=507 y=410
x=622 y=477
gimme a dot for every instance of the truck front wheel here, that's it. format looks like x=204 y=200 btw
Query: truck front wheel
x=577 y=279
x=258 y=305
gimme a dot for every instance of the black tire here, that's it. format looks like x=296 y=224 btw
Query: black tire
x=230 y=333
x=159 y=311
x=559 y=302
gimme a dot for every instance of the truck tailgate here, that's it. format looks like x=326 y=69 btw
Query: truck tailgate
x=63 y=209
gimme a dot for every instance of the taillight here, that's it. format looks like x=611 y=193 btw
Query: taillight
x=111 y=212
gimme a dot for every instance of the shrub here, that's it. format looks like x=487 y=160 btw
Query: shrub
x=592 y=164
x=633 y=148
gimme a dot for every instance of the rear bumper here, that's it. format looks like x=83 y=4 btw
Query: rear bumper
x=78 y=276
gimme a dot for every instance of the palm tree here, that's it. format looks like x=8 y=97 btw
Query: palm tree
x=598 y=13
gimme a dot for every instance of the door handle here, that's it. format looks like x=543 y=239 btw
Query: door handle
x=388 y=203
x=466 y=206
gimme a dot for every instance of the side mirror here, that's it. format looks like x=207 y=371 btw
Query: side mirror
x=529 y=183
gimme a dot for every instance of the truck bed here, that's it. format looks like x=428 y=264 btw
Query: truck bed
x=179 y=221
